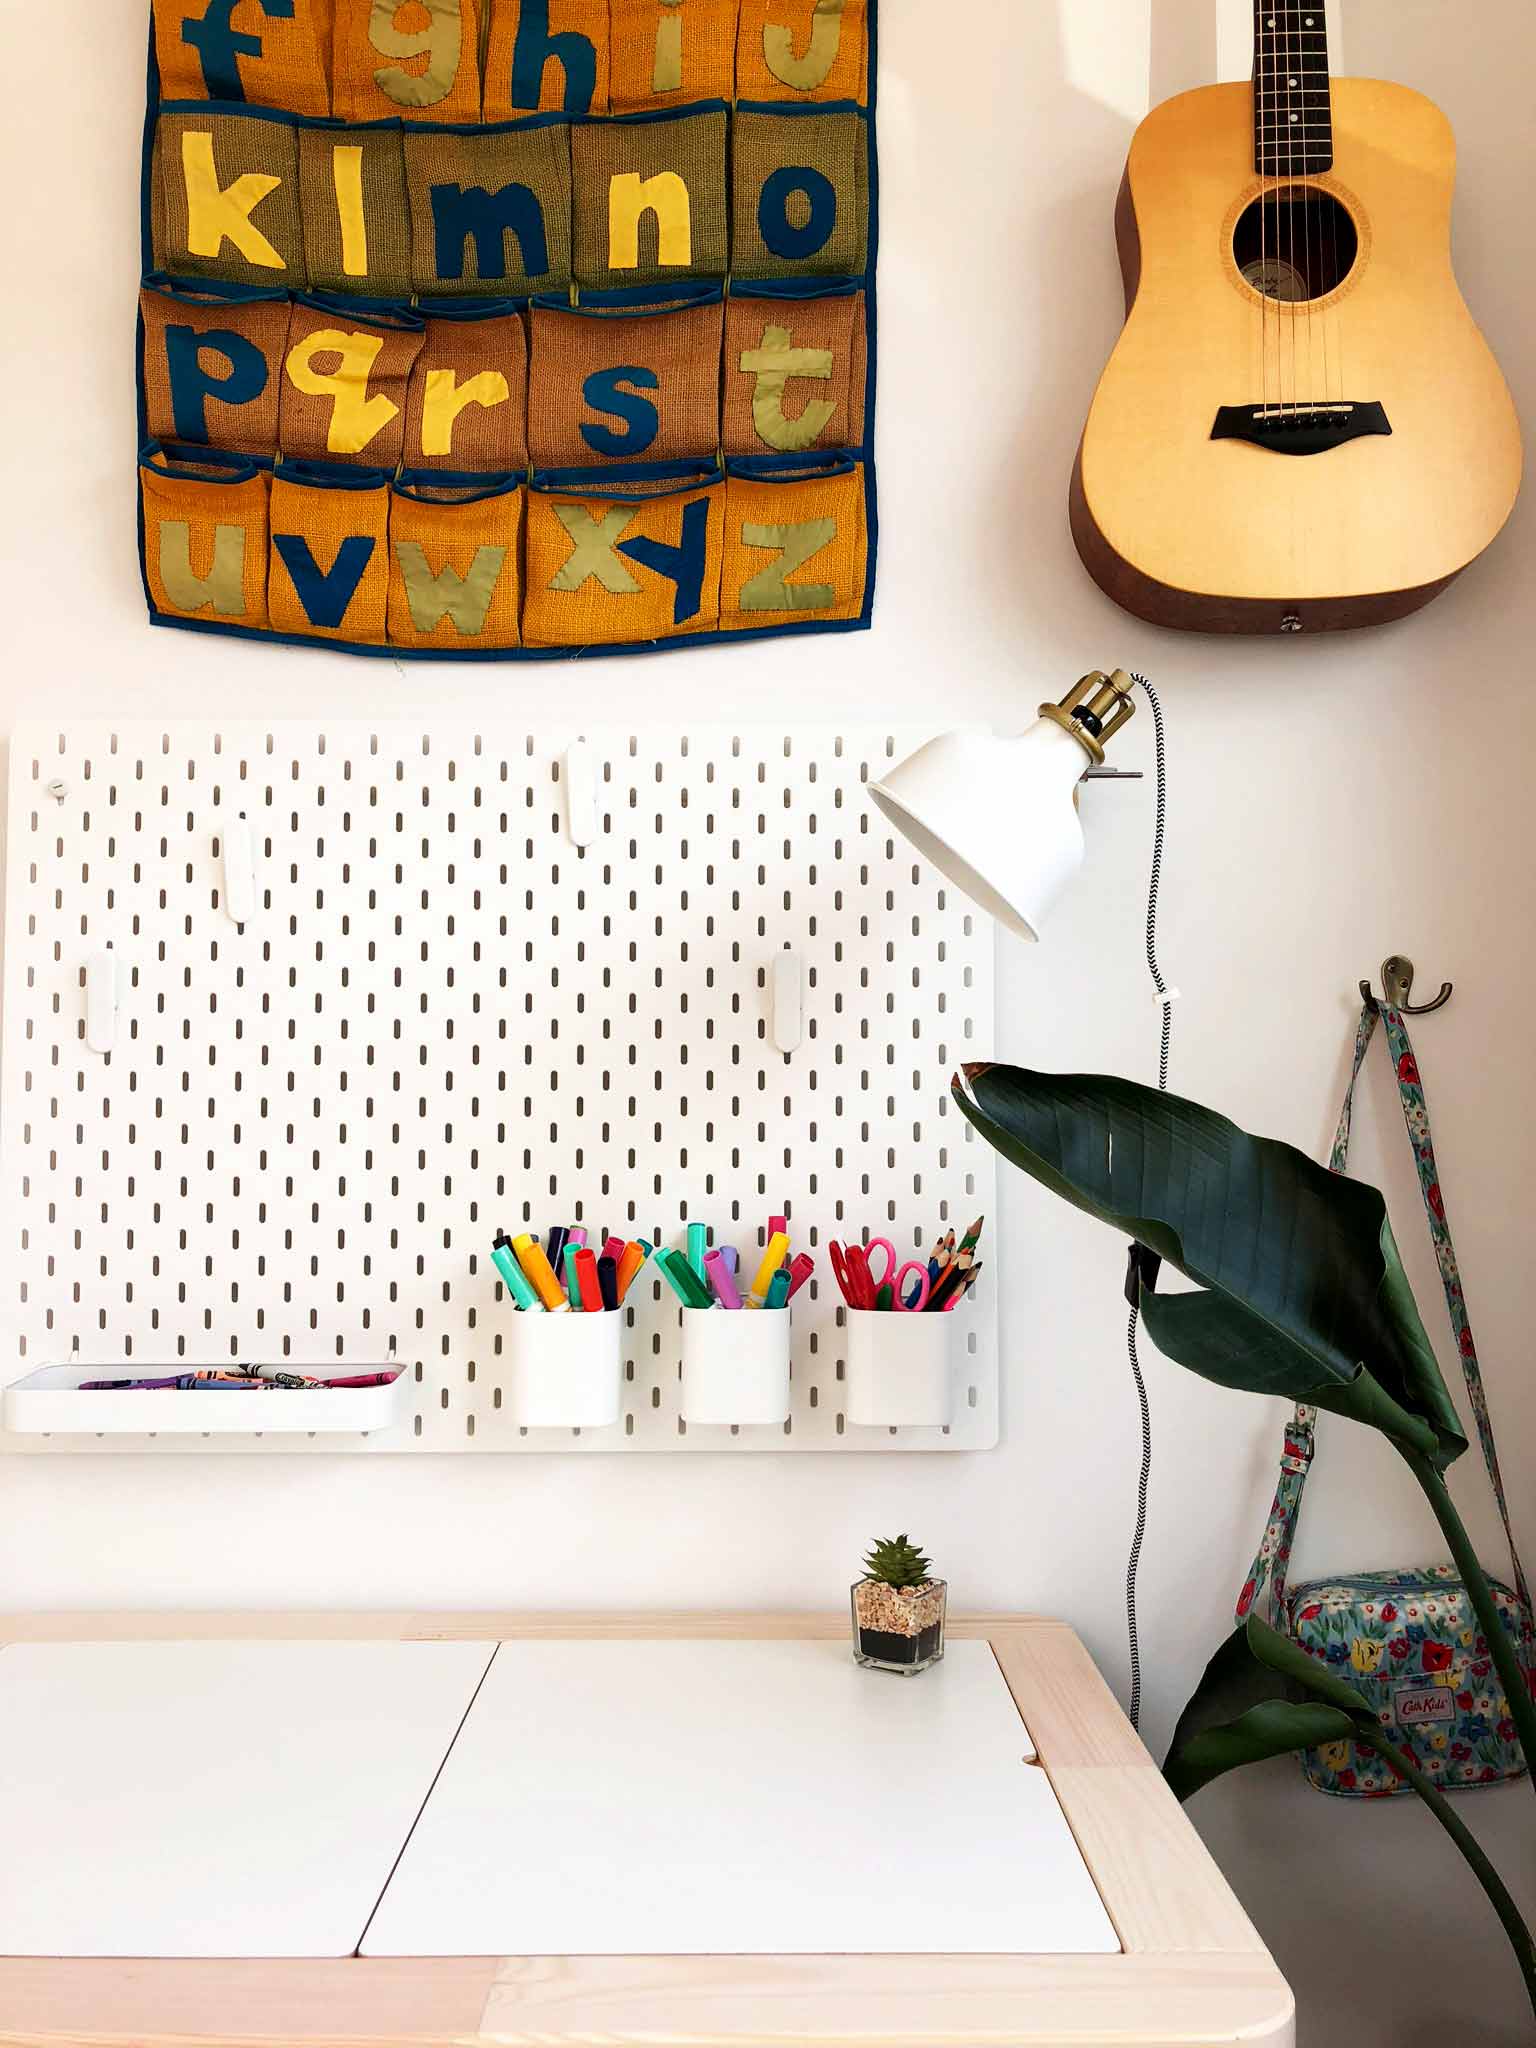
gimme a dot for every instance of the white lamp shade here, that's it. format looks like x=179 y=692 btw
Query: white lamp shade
x=998 y=817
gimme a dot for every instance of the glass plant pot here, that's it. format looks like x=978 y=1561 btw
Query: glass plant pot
x=898 y=1630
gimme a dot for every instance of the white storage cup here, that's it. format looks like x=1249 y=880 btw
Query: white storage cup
x=900 y=1369
x=565 y=1371
x=735 y=1365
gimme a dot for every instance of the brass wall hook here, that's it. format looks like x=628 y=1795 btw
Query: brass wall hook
x=1397 y=984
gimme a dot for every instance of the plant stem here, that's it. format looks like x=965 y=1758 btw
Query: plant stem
x=1522 y=1708
x=1520 y=1939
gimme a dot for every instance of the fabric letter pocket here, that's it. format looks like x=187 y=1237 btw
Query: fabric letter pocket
x=623 y=557
x=796 y=543
x=546 y=56
x=616 y=381
x=205 y=535
x=345 y=378
x=417 y=57
x=271 y=53
x=803 y=50
x=490 y=208
x=225 y=198
x=453 y=560
x=357 y=225
x=800 y=192
x=213 y=361
x=329 y=570
x=649 y=198
x=467 y=405
x=667 y=52
x=794 y=368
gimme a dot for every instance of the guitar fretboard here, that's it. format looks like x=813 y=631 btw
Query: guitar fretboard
x=1292 y=109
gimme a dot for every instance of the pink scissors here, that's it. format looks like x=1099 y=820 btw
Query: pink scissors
x=894 y=1280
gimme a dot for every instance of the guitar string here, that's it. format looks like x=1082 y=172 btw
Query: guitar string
x=1333 y=216
x=1286 y=306
x=1324 y=280
x=1305 y=133
x=1297 y=373
x=1260 y=157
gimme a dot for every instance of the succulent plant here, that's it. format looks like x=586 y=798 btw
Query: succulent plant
x=896 y=1562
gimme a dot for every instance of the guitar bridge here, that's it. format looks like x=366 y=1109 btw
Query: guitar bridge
x=1301 y=429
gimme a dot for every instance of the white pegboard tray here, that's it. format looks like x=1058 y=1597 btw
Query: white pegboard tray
x=442 y=1018
x=50 y=1402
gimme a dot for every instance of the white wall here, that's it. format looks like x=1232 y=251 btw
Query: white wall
x=1333 y=800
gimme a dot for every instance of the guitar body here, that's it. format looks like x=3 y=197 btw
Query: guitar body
x=1373 y=451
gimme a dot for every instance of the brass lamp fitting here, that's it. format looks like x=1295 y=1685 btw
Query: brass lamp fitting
x=1094 y=710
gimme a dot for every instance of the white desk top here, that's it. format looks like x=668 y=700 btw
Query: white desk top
x=717 y=1797
x=214 y=1799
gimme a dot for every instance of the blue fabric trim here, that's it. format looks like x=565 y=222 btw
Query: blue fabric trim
x=776 y=469
x=194 y=291
x=871 y=314
x=183 y=454
x=796 y=110
x=672 y=479
x=391 y=313
x=641 y=299
x=796 y=288
x=714 y=638
x=245 y=111
x=552 y=119
x=650 y=115
x=330 y=476
x=411 y=483
x=468 y=309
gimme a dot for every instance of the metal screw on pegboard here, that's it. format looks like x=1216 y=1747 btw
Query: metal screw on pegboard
x=58 y=791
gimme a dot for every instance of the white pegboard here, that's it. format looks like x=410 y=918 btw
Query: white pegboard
x=443 y=1019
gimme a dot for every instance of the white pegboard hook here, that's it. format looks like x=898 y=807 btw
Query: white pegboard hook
x=239 y=859
x=786 y=991
x=103 y=995
x=579 y=775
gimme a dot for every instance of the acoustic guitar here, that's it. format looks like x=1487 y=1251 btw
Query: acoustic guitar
x=1300 y=427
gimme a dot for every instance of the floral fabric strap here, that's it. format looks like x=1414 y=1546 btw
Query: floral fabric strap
x=1273 y=1561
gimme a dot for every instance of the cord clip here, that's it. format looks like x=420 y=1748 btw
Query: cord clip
x=1142 y=1267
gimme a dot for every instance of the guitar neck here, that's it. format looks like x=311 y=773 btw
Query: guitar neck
x=1292 y=106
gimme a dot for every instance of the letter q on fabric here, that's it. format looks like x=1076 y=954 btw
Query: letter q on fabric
x=509 y=330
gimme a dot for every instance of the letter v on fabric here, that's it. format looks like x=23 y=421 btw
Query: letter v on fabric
x=509 y=330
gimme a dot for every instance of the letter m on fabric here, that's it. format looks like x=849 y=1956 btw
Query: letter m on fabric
x=461 y=214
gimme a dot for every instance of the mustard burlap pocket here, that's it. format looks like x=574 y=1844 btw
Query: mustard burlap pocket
x=453 y=561
x=490 y=209
x=408 y=57
x=269 y=55
x=213 y=363
x=610 y=381
x=205 y=535
x=546 y=56
x=344 y=382
x=467 y=405
x=329 y=569
x=796 y=541
x=623 y=558
x=649 y=204
x=225 y=197
x=803 y=50
x=799 y=186
x=794 y=369
x=357 y=225
x=668 y=52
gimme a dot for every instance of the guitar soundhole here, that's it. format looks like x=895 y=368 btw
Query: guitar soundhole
x=1294 y=243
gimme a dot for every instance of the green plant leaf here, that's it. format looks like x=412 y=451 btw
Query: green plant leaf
x=1260 y=1697
x=1302 y=1289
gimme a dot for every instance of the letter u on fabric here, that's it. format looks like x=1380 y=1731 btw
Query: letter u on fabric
x=415 y=57
x=796 y=546
x=226 y=199
x=606 y=569
x=268 y=53
x=205 y=537
x=490 y=212
x=329 y=569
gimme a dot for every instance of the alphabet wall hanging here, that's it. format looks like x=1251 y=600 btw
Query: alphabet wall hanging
x=509 y=329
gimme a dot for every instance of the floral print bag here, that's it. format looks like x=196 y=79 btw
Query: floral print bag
x=1409 y=1640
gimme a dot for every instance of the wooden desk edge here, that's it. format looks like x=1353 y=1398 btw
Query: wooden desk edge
x=1193 y=1973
